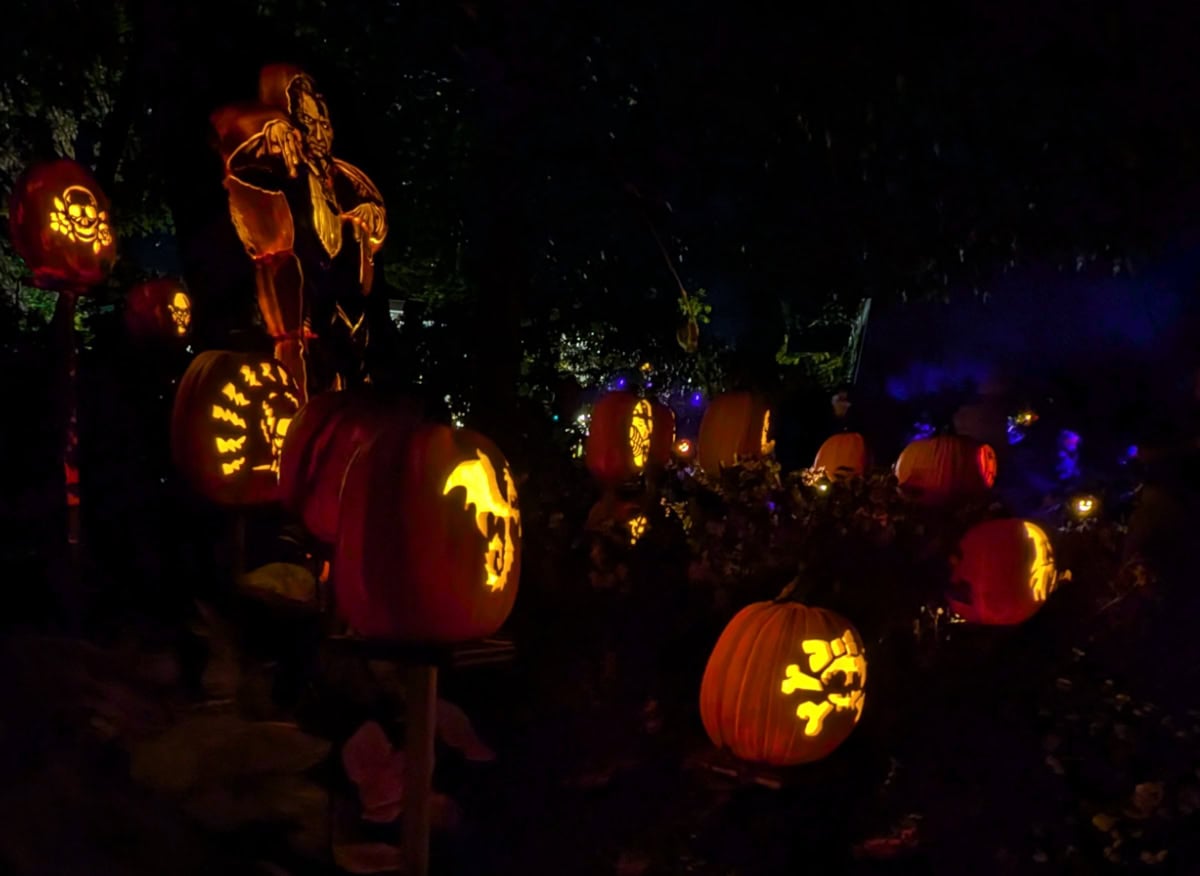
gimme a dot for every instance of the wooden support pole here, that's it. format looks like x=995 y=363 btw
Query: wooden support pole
x=421 y=725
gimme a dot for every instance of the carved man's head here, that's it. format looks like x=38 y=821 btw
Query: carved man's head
x=310 y=115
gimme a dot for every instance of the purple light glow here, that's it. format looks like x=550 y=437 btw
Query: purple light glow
x=621 y=381
x=697 y=398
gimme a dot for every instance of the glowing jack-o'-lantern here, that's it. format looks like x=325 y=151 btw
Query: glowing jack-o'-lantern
x=1084 y=506
x=1004 y=573
x=843 y=455
x=228 y=425
x=320 y=443
x=626 y=517
x=735 y=427
x=620 y=438
x=60 y=226
x=946 y=468
x=785 y=684
x=429 y=536
x=159 y=309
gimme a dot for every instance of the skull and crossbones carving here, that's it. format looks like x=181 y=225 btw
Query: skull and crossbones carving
x=77 y=215
x=826 y=661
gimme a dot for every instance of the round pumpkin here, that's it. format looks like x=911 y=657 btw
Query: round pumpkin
x=231 y=414
x=429 y=537
x=61 y=225
x=784 y=685
x=627 y=515
x=1003 y=574
x=735 y=427
x=319 y=445
x=620 y=437
x=158 y=310
x=843 y=455
x=946 y=468
x=662 y=436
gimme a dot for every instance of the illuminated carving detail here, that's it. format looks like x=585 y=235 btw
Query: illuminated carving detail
x=180 y=308
x=274 y=412
x=837 y=669
x=1042 y=576
x=641 y=425
x=987 y=464
x=767 y=444
x=637 y=528
x=1085 y=506
x=496 y=514
x=78 y=217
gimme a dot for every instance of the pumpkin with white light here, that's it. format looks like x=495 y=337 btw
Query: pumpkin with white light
x=231 y=414
x=735 y=427
x=429 y=536
x=620 y=441
x=785 y=684
x=843 y=455
x=946 y=468
x=1003 y=574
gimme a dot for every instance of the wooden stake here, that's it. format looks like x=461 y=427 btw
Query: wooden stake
x=421 y=694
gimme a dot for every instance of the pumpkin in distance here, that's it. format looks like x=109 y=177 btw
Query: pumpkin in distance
x=1003 y=574
x=619 y=442
x=231 y=414
x=946 y=468
x=159 y=309
x=843 y=455
x=735 y=427
x=784 y=685
x=429 y=537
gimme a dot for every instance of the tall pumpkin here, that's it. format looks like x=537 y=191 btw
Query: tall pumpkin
x=61 y=225
x=619 y=442
x=429 y=537
x=320 y=443
x=1003 y=574
x=159 y=310
x=735 y=427
x=946 y=468
x=784 y=685
x=231 y=414
x=843 y=455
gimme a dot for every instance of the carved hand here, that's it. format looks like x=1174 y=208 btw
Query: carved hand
x=372 y=219
x=283 y=140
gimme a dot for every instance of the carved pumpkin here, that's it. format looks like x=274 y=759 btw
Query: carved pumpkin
x=946 y=468
x=320 y=443
x=735 y=427
x=61 y=226
x=429 y=537
x=662 y=436
x=231 y=414
x=1003 y=574
x=626 y=515
x=784 y=685
x=262 y=219
x=619 y=442
x=159 y=309
x=843 y=455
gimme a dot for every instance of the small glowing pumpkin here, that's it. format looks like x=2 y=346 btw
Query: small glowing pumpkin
x=843 y=455
x=1003 y=574
x=626 y=516
x=736 y=426
x=620 y=438
x=159 y=310
x=429 y=537
x=946 y=468
x=785 y=684
x=320 y=443
x=231 y=414
x=61 y=225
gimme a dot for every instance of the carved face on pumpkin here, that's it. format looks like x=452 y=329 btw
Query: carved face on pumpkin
x=180 y=308
x=834 y=678
x=78 y=217
x=497 y=516
x=310 y=115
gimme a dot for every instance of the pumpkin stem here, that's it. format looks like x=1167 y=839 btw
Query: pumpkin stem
x=788 y=590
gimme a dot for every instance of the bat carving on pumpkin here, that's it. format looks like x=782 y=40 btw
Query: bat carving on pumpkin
x=497 y=518
x=830 y=659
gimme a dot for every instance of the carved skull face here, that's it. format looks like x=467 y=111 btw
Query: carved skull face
x=180 y=308
x=77 y=215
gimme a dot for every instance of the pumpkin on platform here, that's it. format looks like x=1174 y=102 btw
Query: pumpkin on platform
x=321 y=440
x=429 y=537
x=735 y=427
x=784 y=685
x=61 y=225
x=843 y=455
x=620 y=438
x=1003 y=574
x=158 y=310
x=946 y=468
x=231 y=414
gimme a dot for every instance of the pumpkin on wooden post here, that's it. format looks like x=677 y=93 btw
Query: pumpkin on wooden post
x=1003 y=574
x=735 y=427
x=946 y=468
x=785 y=684
x=843 y=456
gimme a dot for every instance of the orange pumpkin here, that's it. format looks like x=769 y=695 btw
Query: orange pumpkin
x=735 y=427
x=784 y=685
x=620 y=438
x=429 y=537
x=158 y=309
x=843 y=455
x=231 y=414
x=1003 y=574
x=613 y=512
x=946 y=468
x=61 y=225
